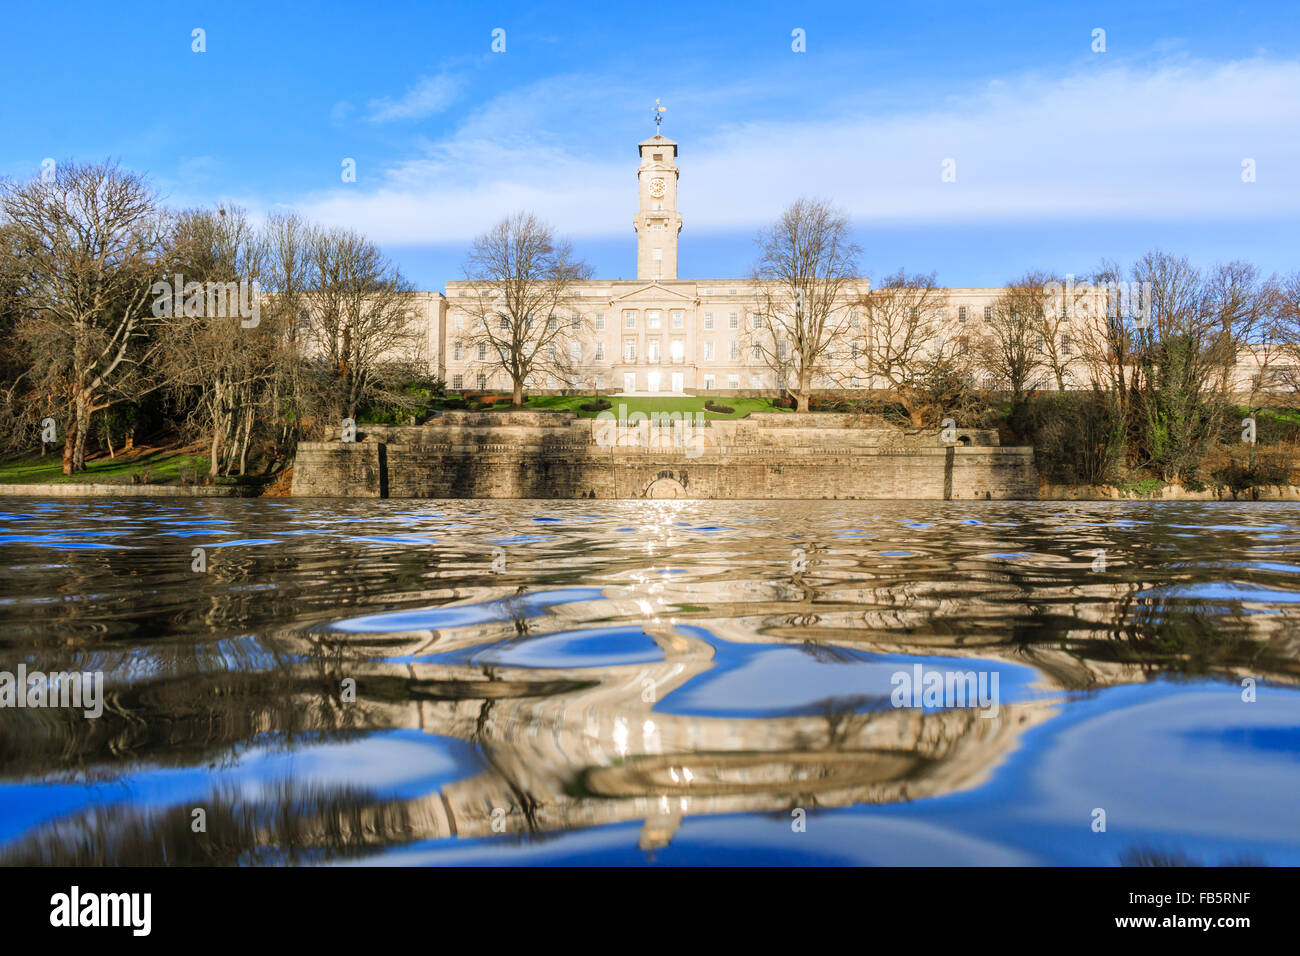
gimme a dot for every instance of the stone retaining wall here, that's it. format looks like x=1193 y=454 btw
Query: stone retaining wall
x=541 y=455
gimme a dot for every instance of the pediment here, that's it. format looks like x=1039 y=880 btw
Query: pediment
x=652 y=290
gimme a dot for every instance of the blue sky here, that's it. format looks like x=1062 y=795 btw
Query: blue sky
x=1062 y=155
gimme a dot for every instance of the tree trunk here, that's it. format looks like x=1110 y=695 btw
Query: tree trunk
x=517 y=397
x=803 y=399
x=69 y=443
x=83 y=429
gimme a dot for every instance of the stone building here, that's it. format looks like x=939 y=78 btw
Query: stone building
x=659 y=333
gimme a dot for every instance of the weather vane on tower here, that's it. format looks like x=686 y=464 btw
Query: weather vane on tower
x=658 y=113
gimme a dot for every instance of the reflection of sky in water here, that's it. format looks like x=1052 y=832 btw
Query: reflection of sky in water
x=1117 y=687
x=752 y=680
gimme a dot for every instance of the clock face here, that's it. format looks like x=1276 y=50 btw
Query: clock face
x=657 y=188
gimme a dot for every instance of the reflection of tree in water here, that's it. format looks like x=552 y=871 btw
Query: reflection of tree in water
x=286 y=824
x=194 y=715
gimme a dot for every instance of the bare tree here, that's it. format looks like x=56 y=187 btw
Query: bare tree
x=1238 y=300
x=1008 y=347
x=805 y=266
x=904 y=341
x=358 y=322
x=1053 y=321
x=1180 y=360
x=92 y=244
x=287 y=281
x=522 y=276
x=1106 y=339
x=1282 y=366
x=215 y=366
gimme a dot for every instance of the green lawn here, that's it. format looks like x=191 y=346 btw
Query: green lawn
x=649 y=404
x=163 y=467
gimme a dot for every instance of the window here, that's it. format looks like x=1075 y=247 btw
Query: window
x=652 y=350
x=458 y=382
x=678 y=319
x=733 y=350
x=854 y=382
x=455 y=352
x=988 y=313
x=757 y=353
x=780 y=350
x=755 y=321
x=576 y=323
x=708 y=351
x=706 y=292
x=657 y=254
x=853 y=319
x=552 y=352
x=678 y=350
x=482 y=351
x=575 y=351
x=505 y=322
x=733 y=381
x=755 y=381
x=731 y=292
x=708 y=320
x=708 y=381
x=629 y=319
x=1040 y=345
x=600 y=351
x=600 y=323
x=733 y=320
x=1065 y=345
x=458 y=322
x=652 y=319
x=963 y=313
x=658 y=157
x=629 y=350
x=482 y=381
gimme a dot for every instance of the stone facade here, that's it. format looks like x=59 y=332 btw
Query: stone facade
x=661 y=334
x=558 y=455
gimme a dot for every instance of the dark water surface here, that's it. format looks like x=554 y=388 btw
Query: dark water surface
x=669 y=682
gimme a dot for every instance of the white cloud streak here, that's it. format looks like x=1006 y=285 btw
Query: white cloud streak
x=1164 y=142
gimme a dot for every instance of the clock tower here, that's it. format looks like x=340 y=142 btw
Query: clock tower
x=657 y=221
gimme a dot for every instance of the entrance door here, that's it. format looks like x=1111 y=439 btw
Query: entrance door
x=652 y=380
x=679 y=382
x=629 y=381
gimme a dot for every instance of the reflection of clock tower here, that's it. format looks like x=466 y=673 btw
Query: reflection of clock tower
x=657 y=221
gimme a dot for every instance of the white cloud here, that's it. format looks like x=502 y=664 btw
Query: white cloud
x=1162 y=142
x=429 y=95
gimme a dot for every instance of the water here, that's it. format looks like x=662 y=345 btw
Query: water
x=653 y=682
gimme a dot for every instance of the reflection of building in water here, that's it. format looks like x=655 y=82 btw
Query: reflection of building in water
x=570 y=747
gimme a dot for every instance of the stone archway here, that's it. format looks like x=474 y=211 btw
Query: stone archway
x=664 y=486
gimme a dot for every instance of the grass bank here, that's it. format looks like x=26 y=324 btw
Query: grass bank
x=155 y=466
